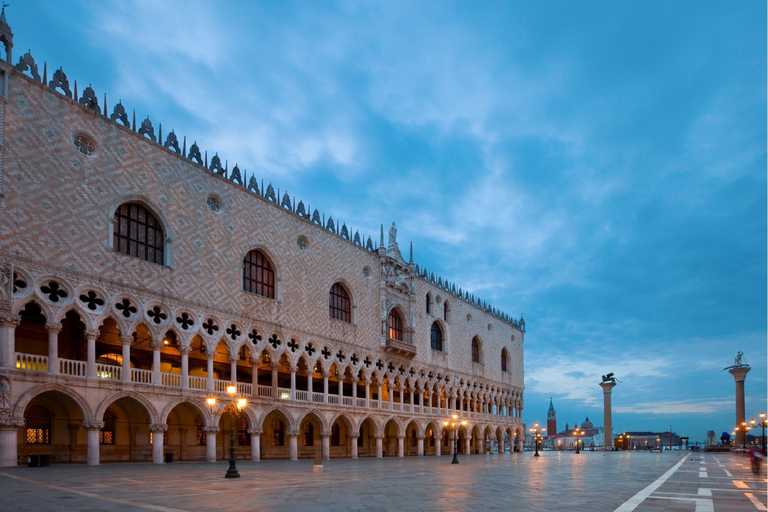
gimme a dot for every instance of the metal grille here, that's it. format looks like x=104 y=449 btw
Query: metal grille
x=278 y=432
x=107 y=434
x=338 y=303
x=258 y=276
x=138 y=233
x=201 y=438
x=243 y=437
x=475 y=351
x=309 y=433
x=38 y=421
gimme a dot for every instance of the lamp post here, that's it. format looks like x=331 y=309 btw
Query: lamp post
x=537 y=437
x=743 y=428
x=763 y=423
x=578 y=433
x=454 y=423
x=234 y=407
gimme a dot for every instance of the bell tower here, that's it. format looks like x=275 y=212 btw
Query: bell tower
x=551 y=419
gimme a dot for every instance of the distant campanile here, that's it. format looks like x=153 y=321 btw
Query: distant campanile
x=551 y=419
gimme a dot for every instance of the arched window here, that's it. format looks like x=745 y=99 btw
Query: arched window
x=414 y=441
x=338 y=303
x=243 y=437
x=335 y=435
x=504 y=360
x=429 y=303
x=309 y=433
x=138 y=233
x=437 y=337
x=395 y=326
x=475 y=350
x=446 y=311
x=107 y=433
x=38 y=422
x=201 y=439
x=258 y=276
x=278 y=433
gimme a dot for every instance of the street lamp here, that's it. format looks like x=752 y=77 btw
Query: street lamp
x=537 y=437
x=578 y=433
x=235 y=406
x=743 y=428
x=763 y=423
x=454 y=423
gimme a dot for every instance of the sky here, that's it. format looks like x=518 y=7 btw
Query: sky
x=599 y=167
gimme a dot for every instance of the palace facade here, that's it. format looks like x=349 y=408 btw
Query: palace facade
x=139 y=278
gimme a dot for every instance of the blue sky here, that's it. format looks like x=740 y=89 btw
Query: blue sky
x=598 y=166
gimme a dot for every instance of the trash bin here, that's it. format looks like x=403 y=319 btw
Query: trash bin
x=34 y=461
x=45 y=460
x=168 y=458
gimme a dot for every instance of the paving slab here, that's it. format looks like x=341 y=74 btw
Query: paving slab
x=556 y=481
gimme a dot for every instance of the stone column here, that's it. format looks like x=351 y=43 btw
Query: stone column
x=90 y=365
x=53 y=346
x=739 y=375
x=233 y=369
x=438 y=443
x=210 y=443
x=255 y=377
x=293 y=369
x=353 y=448
x=355 y=380
x=8 y=324
x=378 y=446
x=400 y=446
x=391 y=389
x=367 y=384
x=420 y=445
x=158 y=430
x=309 y=385
x=378 y=404
x=274 y=366
x=467 y=441
x=125 y=341
x=293 y=444
x=157 y=378
x=92 y=429
x=209 y=373
x=9 y=431
x=255 y=444
x=326 y=446
x=607 y=425
x=326 y=374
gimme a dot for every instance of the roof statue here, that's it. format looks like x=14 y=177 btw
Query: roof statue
x=739 y=362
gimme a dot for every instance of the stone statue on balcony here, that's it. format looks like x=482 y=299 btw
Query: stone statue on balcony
x=5 y=391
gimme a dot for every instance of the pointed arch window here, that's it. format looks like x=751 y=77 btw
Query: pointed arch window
x=504 y=360
x=475 y=350
x=308 y=429
x=395 y=326
x=107 y=433
x=335 y=435
x=338 y=303
x=201 y=437
x=429 y=303
x=436 y=336
x=243 y=437
x=138 y=233
x=38 y=422
x=278 y=433
x=258 y=275
x=446 y=311
x=414 y=441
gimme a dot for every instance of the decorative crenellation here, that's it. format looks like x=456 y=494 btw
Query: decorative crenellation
x=467 y=297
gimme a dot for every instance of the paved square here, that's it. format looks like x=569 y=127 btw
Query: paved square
x=563 y=481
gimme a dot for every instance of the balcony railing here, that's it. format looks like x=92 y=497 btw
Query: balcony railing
x=37 y=363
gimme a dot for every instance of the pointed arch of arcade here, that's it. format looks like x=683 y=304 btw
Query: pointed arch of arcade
x=399 y=427
x=317 y=416
x=111 y=399
x=197 y=404
x=292 y=424
x=32 y=393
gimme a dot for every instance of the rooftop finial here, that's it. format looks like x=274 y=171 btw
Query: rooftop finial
x=410 y=258
x=381 y=242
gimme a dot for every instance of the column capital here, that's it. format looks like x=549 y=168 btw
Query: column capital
x=11 y=423
x=184 y=350
x=293 y=368
x=255 y=431
x=274 y=365
x=293 y=433
x=379 y=436
x=93 y=425
x=354 y=435
x=53 y=326
x=126 y=339
x=234 y=358
x=326 y=375
x=607 y=387
x=158 y=427
x=92 y=333
x=210 y=430
x=739 y=373
x=420 y=436
x=12 y=320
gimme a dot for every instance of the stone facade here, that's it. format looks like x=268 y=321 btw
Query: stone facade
x=119 y=354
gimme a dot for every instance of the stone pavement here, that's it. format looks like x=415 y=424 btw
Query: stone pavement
x=557 y=481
